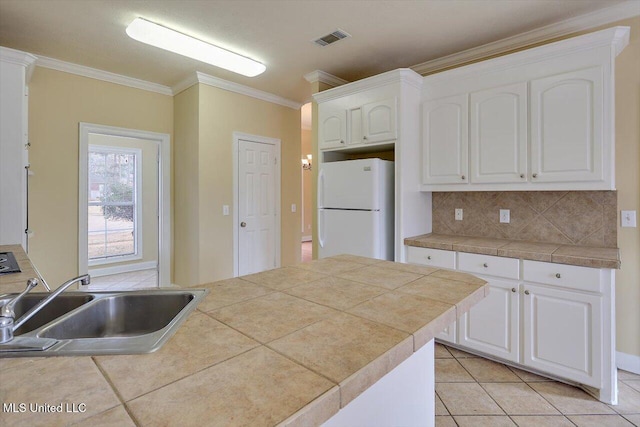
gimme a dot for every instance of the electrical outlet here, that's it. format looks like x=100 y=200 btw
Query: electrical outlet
x=628 y=219
x=225 y=210
x=505 y=216
x=458 y=214
x=293 y=207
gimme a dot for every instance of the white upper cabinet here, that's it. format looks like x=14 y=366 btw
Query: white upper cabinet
x=566 y=127
x=332 y=128
x=445 y=140
x=379 y=121
x=498 y=134
x=541 y=119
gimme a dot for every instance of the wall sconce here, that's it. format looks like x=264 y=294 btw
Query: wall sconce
x=306 y=163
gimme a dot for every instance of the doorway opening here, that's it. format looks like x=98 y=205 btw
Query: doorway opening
x=124 y=201
x=307 y=182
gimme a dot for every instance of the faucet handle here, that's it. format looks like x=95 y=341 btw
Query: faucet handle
x=7 y=309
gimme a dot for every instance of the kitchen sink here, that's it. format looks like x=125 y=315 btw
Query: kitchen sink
x=94 y=323
x=56 y=308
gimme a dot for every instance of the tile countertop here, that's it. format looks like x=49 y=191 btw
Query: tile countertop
x=285 y=347
x=585 y=256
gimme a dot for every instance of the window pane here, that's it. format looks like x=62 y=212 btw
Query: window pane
x=119 y=177
x=97 y=247
x=120 y=242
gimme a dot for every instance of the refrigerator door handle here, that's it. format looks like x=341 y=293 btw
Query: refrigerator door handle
x=321 y=227
x=321 y=188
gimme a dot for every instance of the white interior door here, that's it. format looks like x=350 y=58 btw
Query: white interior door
x=257 y=207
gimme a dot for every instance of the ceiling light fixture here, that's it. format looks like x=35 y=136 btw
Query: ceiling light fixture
x=173 y=41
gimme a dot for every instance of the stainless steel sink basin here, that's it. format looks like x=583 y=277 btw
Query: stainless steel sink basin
x=120 y=316
x=97 y=323
x=59 y=306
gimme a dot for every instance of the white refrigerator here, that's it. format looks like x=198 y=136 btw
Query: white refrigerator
x=356 y=208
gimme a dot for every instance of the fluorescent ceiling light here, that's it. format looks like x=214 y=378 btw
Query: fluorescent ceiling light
x=168 y=39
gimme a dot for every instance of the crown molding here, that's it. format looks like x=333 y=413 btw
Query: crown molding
x=400 y=75
x=237 y=88
x=93 y=73
x=324 y=77
x=16 y=57
x=604 y=16
x=185 y=84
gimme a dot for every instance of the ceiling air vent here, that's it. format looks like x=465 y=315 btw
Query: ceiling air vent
x=331 y=38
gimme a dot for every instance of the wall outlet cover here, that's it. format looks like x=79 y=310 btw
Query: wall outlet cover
x=628 y=219
x=458 y=214
x=505 y=216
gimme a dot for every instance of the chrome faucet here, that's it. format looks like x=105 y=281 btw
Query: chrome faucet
x=8 y=324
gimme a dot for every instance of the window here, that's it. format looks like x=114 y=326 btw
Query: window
x=114 y=231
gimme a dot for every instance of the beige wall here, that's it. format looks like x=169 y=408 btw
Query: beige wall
x=307 y=178
x=220 y=113
x=628 y=186
x=58 y=102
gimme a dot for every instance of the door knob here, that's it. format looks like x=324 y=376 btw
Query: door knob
x=243 y=224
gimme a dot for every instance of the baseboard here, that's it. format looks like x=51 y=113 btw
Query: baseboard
x=125 y=268
x=306 y=238
x=628 y=362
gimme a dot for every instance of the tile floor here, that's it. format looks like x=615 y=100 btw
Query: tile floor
x=306 y=251
x=472 y=391
x=125 y=281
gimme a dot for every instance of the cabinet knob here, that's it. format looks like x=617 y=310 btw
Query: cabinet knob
x=342 y=141
x=485 y=265
x=428 y=256
x=463 y=178
x=558 y=275
x=243 y=224
x=364 y=137
x=521 y=175
x=526 y=292
x=513 y=290
x=535 y=175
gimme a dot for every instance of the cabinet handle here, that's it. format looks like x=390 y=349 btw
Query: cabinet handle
x=513 y=290
x=535 y=175
x=485 y=265
x=526 y=292
x=428 y=256
x=463 y=177
x=558 y=275
x=521 y=175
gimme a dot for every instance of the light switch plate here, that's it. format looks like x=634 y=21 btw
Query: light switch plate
x=293 y=207
x=505 y=216
x=458 y=214
x=225 y=210
x=628 y=219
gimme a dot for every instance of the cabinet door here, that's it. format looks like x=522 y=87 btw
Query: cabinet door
x=445 y=140
x=332 y=128
x=567 y=127
x=449 y=334
x=498 y=134
x=562 y=333
x=492 y=325
x=379 y=121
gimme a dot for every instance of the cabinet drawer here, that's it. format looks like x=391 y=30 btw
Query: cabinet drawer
x=568 y=276
x=431 y=257
x=492 y=265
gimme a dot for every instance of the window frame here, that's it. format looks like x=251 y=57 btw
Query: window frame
x=137 y=201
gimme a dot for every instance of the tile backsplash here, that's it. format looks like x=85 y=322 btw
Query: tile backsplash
x=586 y=218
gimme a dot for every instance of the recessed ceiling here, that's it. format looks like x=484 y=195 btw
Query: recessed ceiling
x=384 y=34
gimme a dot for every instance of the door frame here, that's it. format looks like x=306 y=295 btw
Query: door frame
x=237 y=136
x=163 y=141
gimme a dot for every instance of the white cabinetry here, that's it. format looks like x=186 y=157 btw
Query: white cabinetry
x=567 y=127
x=332 y=128
x=552 y=318
x=445 y=139
x=498 y=134
x=13 y=145
x=539 y=119
x=370 y=123
x=492 y=325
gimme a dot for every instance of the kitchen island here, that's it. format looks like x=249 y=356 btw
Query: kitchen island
x=290 y=347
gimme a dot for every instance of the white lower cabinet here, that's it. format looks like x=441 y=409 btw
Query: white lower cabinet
x=551 y=318
x=562 y=333
x=492 y=325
